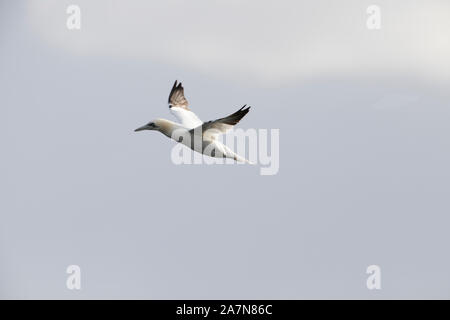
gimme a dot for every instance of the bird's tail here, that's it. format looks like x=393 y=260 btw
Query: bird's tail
x=241 y=159
x=230 y=154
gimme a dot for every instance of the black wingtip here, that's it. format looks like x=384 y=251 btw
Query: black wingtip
x=177 y=85
x=244 y=108
x=173 y=89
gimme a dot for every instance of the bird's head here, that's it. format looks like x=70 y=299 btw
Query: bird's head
x=162 y=125
x=152 y=125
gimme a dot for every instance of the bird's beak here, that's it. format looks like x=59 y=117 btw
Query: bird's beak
x=146 y=127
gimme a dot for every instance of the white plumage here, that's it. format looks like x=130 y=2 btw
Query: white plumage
x=186 y=117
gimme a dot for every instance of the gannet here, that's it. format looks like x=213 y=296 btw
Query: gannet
x=192 y=132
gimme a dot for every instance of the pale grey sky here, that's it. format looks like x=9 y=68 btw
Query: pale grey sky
x=364 y=150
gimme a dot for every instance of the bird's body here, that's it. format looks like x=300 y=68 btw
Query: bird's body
x=192 y=132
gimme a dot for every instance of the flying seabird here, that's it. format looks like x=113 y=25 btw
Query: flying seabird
x=192 y=132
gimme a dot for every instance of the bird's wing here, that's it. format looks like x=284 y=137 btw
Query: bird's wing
x=178 y=106
x=211 y=129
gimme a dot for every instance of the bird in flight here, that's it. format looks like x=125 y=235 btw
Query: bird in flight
x=192 y=132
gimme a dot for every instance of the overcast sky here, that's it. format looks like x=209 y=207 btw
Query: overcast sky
x=364 y=150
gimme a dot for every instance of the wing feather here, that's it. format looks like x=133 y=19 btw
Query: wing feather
x=176 y=96
x=212 y=129
x=178 y=106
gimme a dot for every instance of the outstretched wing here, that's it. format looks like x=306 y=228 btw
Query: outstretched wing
x=178 y=106
x=212 y=129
